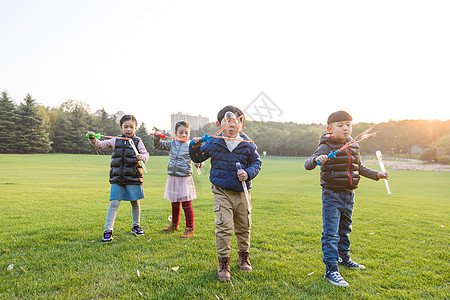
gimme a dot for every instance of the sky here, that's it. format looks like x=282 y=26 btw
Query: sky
x=287 y=61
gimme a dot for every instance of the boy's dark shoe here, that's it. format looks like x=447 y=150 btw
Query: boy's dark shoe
x=172 y=227
x=223 y=269
x=333 y=276
x=107 y=236
x=188 y=233
x=346 y=261
x=244 y=261
x=137 y=230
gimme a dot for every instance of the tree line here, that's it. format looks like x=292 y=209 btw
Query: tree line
x=31 y=128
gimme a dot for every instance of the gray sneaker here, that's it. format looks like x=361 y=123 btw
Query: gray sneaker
x=346 y=261
x=333 y=276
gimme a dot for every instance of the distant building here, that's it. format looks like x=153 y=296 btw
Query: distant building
x=416 y=149
x=118 y=115
x=196 y=122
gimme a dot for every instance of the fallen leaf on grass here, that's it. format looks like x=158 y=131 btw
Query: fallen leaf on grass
x=10 y=267
x=93 y=241
x=310 y=273
x=175 y=269
x=22 y=269
x=140 y=293
x=371 y=233
x=217 y=297
x=382 y=264
x=138 y=274
x=442 y=226
x=405 y=261
x=13 y=238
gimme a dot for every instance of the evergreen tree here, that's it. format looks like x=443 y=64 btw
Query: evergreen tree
x=147 y=139
x=52 y=116
x=80 y=123
x=106 y=124
x=7 y=123
x=32 y=132
x=61 y=140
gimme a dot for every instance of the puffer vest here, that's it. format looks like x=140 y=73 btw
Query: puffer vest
x=125 y=168
x=342 y=172
x=180 y=163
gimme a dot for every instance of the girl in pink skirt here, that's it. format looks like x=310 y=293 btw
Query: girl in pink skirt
x=180 y=185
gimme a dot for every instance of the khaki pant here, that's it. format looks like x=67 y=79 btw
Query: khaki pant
x=232 y=214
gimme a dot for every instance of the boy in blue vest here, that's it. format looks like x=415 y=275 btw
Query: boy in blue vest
x=338 y=177
x=232 y=210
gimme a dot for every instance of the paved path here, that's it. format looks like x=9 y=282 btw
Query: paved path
x=412 y=165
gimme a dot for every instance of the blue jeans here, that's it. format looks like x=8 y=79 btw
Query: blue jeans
x=337 y=209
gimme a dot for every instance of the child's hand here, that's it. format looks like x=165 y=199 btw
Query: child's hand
x=91 y=135
x=196 y=142
x=382 y=175
x=140 y=157
x=322 y=158
x=242 y=175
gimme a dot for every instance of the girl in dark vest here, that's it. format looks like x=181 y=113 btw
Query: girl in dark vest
x=126 y=174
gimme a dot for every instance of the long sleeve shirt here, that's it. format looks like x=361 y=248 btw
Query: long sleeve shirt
x=111 y=144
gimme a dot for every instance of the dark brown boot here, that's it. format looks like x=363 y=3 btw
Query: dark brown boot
x=244 y=261
x=223 y=269
x=172 y=227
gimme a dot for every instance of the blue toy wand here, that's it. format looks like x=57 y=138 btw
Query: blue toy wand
x=360 y=137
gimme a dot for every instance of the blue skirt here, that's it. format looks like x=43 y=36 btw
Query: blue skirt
x=126 y=192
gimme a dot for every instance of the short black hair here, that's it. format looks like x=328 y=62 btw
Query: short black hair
x=233 y=109
x=128 y=118
x=339 y=116
x=181 y=123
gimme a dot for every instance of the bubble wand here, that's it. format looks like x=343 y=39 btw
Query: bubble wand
x=137 y=153
x=99 y=136
x=230 y=118
x=164 y=136
x=380 y=161
x=244 y=187
x=360 y=137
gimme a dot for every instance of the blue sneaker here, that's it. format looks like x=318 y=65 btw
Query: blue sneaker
x=137 y=230
x=333 y=276
x=107 y=236
x=346 y=261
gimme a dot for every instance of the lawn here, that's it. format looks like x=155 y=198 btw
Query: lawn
x=53 y=208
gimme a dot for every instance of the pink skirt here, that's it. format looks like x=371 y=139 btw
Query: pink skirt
x=179 y=189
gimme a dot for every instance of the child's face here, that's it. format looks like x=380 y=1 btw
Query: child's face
x=183 y=133
x=128 y=128
x=233 y=129
x=341 y=130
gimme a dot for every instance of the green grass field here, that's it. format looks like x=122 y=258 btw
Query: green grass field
x=53 y=208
